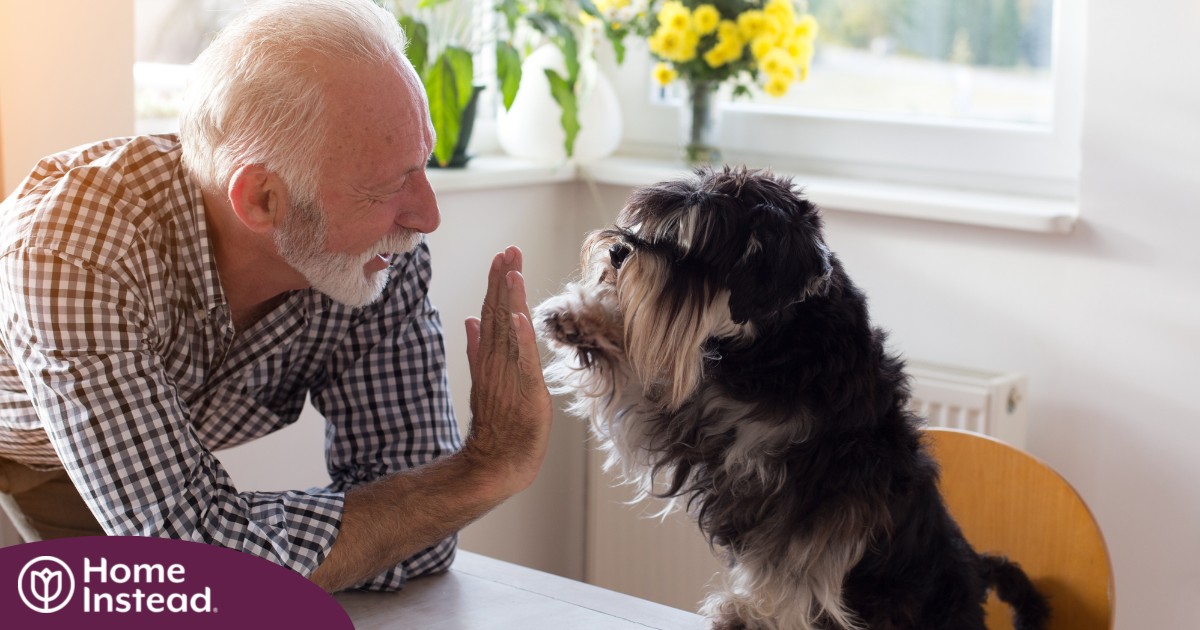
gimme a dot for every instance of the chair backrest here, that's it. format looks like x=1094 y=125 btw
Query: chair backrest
x=1009 y=503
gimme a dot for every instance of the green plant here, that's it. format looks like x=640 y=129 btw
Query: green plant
x=443 y=57
x=555 y=21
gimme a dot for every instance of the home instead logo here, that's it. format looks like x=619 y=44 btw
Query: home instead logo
x=129 y=582
x=41 y=584
x=47 y=585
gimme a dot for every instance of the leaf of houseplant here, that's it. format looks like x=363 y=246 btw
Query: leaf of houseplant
x=508 y=72
x=464 y=74
x=418 y=43
x=563 y=37
x=617 y=38
x=445 y=102
x=564 y=93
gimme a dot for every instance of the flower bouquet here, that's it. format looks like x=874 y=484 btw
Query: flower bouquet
x=750 y=44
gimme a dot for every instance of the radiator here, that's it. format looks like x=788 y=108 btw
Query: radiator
x=666 y=560
x=987 y=402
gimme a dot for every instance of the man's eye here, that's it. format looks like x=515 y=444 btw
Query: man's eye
x=617 y=254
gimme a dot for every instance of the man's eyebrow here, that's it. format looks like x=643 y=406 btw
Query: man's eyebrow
x=388 y=184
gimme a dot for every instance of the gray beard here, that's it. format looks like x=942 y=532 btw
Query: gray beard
x=301 y=242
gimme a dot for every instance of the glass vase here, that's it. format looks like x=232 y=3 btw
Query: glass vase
x=700 y=123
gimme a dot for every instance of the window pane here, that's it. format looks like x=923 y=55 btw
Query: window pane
x=169 y=35
x=943 y=60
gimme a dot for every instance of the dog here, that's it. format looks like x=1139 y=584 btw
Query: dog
x=727 y=363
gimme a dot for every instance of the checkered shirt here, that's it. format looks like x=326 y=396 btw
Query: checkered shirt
x=119 y=362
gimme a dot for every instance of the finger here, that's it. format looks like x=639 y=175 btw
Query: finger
x=511 y=261
x=472 y=325
x=494 y=280
x=491 y=310
x=514 y=345
x=518 y=257
x=517 y=293
x=530 y=361
x=502 y=323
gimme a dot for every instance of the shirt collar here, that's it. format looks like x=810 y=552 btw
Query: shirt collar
x=197 y=250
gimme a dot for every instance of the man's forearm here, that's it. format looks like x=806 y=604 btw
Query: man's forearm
x=393 y=518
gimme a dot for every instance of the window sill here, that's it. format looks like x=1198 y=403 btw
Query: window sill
x=499 y=171
x=839 y=194
x=1045 y=215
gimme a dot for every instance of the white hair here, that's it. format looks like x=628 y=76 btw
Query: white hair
x=255 y=96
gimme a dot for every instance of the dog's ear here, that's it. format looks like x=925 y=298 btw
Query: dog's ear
x=785 y=261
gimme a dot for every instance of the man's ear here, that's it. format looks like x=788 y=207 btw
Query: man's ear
x=258 y=197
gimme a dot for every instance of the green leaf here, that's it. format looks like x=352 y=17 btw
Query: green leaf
x=570 y=51
x=589 y=8
x=441 y=87
x=563 y=92
x=418 y=43
x=429 y=4
x=512 y=10
x=508 y=72
x=463 y=68
x=617 y=37
x=562 y=36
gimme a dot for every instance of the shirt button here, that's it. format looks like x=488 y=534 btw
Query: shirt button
x=201 y=315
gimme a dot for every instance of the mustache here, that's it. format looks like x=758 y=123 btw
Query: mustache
x=401 y=242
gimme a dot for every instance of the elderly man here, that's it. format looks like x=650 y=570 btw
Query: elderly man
x=163 y=297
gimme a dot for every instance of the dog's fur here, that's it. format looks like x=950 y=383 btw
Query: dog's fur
x=727 y=362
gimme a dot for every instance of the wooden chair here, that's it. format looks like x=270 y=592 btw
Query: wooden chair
x=1008 y=502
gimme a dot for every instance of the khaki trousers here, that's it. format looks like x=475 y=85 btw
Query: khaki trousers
x=44 y=504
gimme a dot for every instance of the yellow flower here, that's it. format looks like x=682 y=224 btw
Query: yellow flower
x=670 y=41
x=776 y=62
x=807 y=28
x=781 y=10
x=772 y=27
x=801 y=50
x=655 y=43
x=664 y=74
x=751 y=24
x=776 y=87
x=687 y=52
x=715 y=57
x=728 y=30
x=705 y=18
x=674 y=44
x=761 y=46
x=724 y=52
x=675 y=16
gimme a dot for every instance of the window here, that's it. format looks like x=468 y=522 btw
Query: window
x=981 y=94
x=933 y=60
x=169 y=35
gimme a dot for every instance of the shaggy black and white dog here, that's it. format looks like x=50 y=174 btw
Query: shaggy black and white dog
x=726 y=361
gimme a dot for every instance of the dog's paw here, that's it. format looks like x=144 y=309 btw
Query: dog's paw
x=729 y=624
x=563 y=327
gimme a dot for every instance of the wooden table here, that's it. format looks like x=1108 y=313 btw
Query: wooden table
x=484 y=593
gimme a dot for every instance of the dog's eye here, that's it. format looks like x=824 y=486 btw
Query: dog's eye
x=617 y=254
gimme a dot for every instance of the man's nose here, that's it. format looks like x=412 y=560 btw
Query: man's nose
x=421 y=213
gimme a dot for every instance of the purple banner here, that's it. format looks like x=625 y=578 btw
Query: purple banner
x=128 y=582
